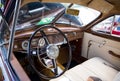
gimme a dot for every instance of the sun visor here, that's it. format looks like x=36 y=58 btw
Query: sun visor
x=101 y=5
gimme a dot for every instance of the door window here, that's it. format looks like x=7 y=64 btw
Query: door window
x=109 y=26
x=116 y=27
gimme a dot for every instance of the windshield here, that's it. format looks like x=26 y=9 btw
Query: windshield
x=44 y=13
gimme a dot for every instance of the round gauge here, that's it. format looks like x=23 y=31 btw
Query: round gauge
x=41 y=42
x=25 y=45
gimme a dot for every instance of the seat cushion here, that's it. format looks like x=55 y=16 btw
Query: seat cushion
x=101 y=68
x=96 y=67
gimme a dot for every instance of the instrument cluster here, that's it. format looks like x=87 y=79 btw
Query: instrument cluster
x=22 y=44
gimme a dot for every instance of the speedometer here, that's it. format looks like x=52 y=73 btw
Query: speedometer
x=41 y=42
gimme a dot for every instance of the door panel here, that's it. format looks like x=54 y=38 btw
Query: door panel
x=94 y=46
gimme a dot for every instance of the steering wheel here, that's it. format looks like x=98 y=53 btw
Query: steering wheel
x=43 y=56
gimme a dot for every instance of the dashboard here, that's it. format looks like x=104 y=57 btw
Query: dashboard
x=22 y=36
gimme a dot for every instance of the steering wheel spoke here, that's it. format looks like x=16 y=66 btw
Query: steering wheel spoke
x=55 y=67
x=41 y=51
x=45 y=37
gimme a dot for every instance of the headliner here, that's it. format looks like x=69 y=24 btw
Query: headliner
x=116 y=3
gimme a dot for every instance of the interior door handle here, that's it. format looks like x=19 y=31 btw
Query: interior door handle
x=102 y=43
x=113 y=54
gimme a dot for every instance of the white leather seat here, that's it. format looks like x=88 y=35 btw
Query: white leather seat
x=94 y=67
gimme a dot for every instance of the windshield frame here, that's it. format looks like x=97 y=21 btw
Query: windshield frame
x=14 y=22
x=7 y=46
